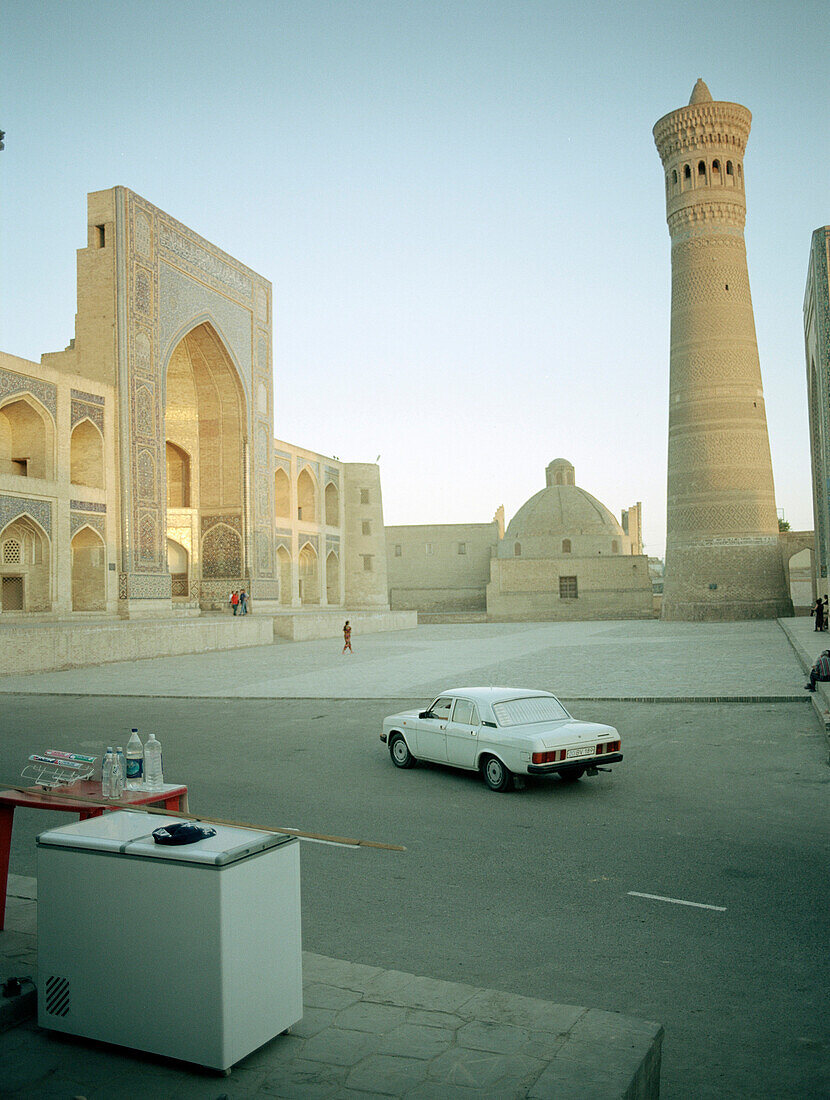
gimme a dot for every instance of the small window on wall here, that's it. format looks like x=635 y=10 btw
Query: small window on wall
x=462 y=548
x=398 y=550
x=568 y=589
x=11 y=552
x=368 y=562
x=367 y=527
x=428 y=548
x=517 y=550
x=100 y=236
x=364 y=496
x=566 y=546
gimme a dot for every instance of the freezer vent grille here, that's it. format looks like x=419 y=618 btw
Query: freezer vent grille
x=57 y=996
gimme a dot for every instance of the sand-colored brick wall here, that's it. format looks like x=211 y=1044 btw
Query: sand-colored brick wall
x=607 y=588
x=440 y=567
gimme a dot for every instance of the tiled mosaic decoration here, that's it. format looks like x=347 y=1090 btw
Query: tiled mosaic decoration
x=39 y=510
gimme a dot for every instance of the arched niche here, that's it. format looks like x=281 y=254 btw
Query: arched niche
x=332 y=497
x=284 y=565
x=25 y=567
x=178 y=564
x=309 y=575
x=282 y=493
x=86 y=455
x=306 y=497
x=89 y=571
x=332 y=578
x=178 y=476
x=222 y=552
x=206 y=418
x=27 y=438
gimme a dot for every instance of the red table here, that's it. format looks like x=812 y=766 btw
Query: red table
x=171 y=798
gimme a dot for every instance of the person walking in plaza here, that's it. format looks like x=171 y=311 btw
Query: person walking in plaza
x=230 y=600
x=235 y=601
x=820 y=671
x=243 y=602
x=826 y=614
x=818 y=610
x=347 y=637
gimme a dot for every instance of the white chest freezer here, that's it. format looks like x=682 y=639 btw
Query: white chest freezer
x=191 y=951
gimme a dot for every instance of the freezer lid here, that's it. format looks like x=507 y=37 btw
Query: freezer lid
x=108 y=833
x=228 y=846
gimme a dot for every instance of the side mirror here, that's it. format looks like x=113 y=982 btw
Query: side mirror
x=425 y=714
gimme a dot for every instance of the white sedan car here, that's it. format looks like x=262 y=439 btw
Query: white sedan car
x=501 y=732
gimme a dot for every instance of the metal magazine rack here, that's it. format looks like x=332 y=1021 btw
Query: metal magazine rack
x=51 y=771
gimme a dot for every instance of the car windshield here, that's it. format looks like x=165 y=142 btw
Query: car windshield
x=520 y=712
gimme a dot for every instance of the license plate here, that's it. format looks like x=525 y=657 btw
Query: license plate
x=580 y=752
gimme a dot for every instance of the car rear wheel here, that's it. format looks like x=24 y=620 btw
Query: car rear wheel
x=399 y=751
x=570 y=775
x=495 y=774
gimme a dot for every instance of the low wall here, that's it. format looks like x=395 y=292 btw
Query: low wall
x=47 y=646
x=303 y=626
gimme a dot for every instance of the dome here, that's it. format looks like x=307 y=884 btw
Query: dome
x=700 y=93
x=562 y=512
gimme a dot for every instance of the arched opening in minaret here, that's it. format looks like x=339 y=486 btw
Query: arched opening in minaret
x=716 y=171
x=687 y=176
x=701 y=172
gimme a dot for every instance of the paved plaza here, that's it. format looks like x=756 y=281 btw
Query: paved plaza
x=506 y=953
x=605 y=660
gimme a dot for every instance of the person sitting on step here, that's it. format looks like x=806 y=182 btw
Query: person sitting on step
x=819 y=671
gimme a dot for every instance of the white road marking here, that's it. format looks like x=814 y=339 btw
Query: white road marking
x=676 y=901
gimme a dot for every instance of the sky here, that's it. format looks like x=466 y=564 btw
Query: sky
x=459 y=205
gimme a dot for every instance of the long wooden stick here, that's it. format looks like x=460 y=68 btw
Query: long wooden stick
x=350 y=842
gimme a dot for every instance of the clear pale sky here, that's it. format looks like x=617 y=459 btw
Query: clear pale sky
x=459 y=205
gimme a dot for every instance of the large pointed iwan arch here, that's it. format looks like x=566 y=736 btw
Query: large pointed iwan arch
x=206 y=418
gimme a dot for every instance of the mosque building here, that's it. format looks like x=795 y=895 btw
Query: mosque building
x=139 y=473
x=563 y=556
x=817 y=350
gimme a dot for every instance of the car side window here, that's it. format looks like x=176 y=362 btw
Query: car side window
x=463 y=713
x=441 y=707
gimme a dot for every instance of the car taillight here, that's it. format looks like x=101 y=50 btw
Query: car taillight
x=551 y=757
x=609 y=746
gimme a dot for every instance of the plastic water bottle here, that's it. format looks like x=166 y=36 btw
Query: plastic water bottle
x=106 y=774
x=135 y=763
x=153 y=773
x=121 y=771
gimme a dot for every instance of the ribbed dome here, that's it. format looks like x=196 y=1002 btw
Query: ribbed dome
x=562 y=511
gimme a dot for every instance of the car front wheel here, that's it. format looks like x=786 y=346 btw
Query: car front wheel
x=496 y=775
x=399 y=751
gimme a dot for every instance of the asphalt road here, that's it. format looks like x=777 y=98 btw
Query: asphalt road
x=722 y=805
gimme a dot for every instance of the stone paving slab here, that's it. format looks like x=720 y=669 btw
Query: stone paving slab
x=365 y=1032
x=645 y=659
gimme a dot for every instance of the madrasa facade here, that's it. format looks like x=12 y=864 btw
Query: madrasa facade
x=139 y=473
x=563 y=556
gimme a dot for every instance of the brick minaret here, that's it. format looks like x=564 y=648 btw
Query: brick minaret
x=723 y=561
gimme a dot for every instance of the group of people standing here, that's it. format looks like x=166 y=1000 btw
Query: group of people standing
x=238 y=602
x=821 y=612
